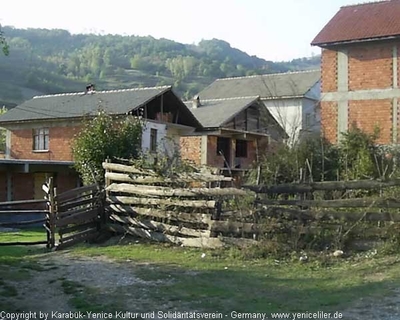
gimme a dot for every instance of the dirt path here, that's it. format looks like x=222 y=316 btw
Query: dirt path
x=63 y=282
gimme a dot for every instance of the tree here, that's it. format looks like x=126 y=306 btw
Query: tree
x=3 y=132
x=3 y=43
x=105 y=137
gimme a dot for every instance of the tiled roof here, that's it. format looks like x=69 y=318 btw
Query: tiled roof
x=72 y=105
x=361 y=22
x=214 y=113
x=268 y=86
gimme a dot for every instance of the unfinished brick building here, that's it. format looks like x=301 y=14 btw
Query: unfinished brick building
x=360 y=70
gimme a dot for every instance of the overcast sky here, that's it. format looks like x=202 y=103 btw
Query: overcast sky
x=271 y=29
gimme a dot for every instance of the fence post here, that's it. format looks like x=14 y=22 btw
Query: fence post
x=52 y=214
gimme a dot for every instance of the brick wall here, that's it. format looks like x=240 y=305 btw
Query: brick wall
x=60 y=139
x=328 y=70
x=190 y=149
x=329 y=120
x=371 y=114
x=370 y=66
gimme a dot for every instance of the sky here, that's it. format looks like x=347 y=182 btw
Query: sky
x=277 y=30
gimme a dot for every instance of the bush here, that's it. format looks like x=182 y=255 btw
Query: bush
x=105 y=137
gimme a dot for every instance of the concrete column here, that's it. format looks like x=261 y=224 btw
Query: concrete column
x=395 y=67
x=394 y=119
x=343 y=86
x=343 y=71
x=204 y=143
x=343 y=118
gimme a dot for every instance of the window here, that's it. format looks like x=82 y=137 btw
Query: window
x=241 y=149
x=41 y=139
x=153 y=140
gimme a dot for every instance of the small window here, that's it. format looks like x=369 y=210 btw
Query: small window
x=41 y=139
x=241 y=149
x=153 y=140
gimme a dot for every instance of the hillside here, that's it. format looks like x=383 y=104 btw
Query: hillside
x=50 y=61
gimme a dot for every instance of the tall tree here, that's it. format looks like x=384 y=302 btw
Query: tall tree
x=3 y=42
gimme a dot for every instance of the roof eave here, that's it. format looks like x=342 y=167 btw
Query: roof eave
x=345 y=42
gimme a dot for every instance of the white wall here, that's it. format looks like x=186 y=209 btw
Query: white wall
x=288 y=113
x=161 y=134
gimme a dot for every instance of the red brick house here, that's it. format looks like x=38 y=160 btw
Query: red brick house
x=235 y=133
x=40 y=132
x=360 y=70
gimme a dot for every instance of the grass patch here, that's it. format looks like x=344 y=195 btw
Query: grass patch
x=23 y=235
x=219 y=281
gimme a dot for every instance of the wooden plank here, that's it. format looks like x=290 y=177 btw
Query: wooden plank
x=74 y=192
x=18 y=212
x=127 y=169
x=326 y=185
x=172 y=215
x=342 y=203
x=22 y=243
x=89 y=202
x=76 y=240
x=78 y=218
x=201 y=242
x=65 y=230
x=22 y=202
x=145 y=190
x=189 y=178
x=207 y=204
x=159 y=226
x=62 y=215
x=331 y=215
x=22 y=223
x=81 y=234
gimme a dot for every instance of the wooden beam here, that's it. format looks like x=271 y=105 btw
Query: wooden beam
x=206 y=204
x=159 y=226
x=342 y=203
x=172 y=215
x=171 y=192
x=127 y=169
x=327 y=185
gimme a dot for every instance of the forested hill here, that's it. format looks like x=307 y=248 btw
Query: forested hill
x=51 y=61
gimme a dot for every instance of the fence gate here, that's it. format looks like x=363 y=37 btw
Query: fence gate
x=75 y=216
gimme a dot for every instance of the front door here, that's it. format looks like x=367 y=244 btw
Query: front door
x=224 y=149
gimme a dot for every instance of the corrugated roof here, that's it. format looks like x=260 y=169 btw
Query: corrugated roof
x=72 y=105
x=269 y=86
x=361 y=22
x=213 y=113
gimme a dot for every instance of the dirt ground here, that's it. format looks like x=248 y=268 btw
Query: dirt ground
x=121 y=286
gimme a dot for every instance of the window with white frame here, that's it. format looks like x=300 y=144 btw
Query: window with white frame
x=41 y=139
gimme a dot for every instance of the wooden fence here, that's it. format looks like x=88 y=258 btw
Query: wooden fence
x=75 y=215
x=24 y=214
x=185 y=209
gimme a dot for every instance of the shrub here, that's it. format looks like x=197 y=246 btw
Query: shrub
x=105 y=137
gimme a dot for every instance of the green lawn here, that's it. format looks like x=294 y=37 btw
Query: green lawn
x=23 y=235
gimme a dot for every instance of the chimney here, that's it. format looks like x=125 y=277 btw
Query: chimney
x=196 y=102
